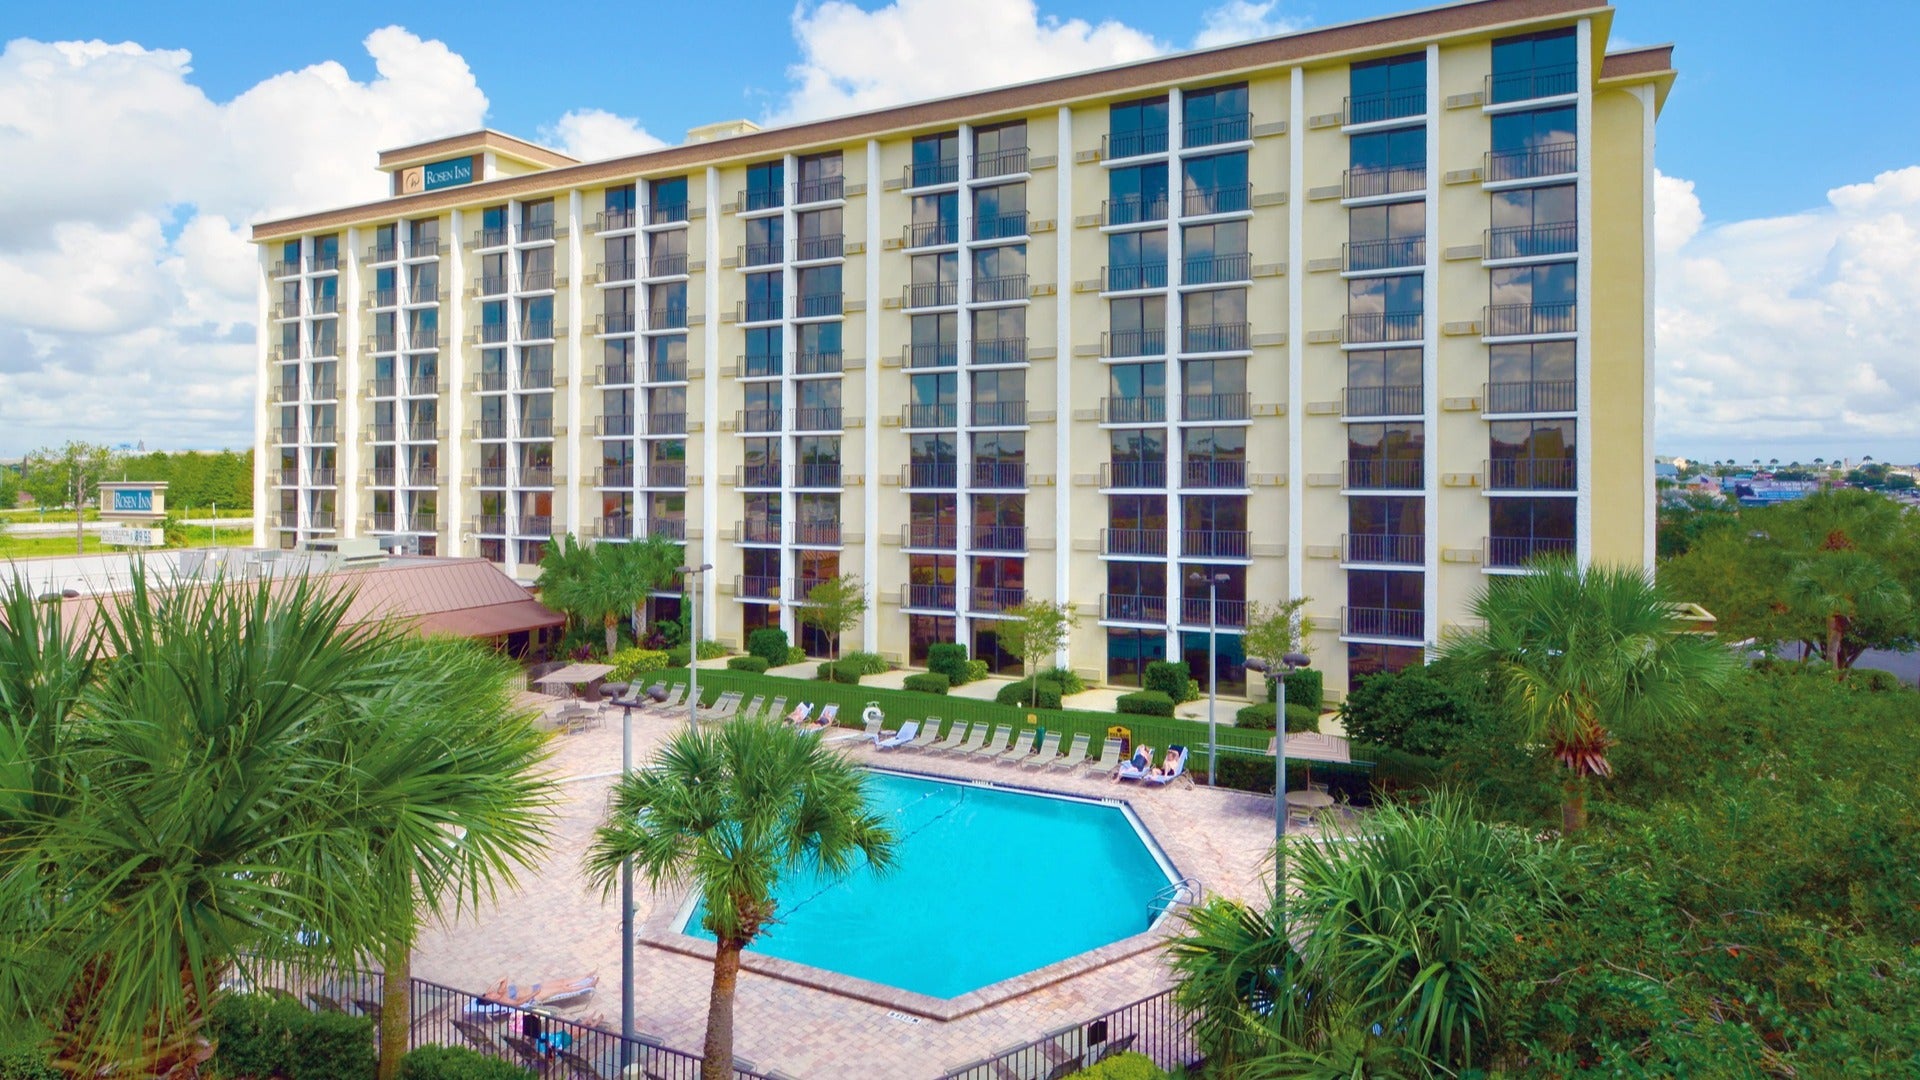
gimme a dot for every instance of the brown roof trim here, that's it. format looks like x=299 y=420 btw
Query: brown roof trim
x=474 y=142
x=1649 y=60
x=1371 y=35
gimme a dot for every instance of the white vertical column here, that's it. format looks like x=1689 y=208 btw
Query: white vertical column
x=1648 y=101
x=265 y=454
x=1063 y=373
x=1430 y=362
x=710 y=387
x=963 y=395
x=870 y=430
x=571 y=467
x=1583 y=300
x=1296 y=327
x=786 y=418
x=1176 y=394
x=453 y=375
x=511 y=414
x=346 y=382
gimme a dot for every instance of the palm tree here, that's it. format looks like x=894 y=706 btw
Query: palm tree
x=1577 y=654
x=732 y=812
x=588 y=583
x=642 y=566
x=1844 y=586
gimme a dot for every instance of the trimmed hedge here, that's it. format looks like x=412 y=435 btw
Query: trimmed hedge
x=712 y=650
x=796 y=655
x=949 y=659
x=1021 y=694
x=1306 y=686
x=457 y=1063
x=755 y=664
x=1128 y=1066
x=926 y=682
x=1169 y=677
x=1299 y=717
x=679 y=656
x=629 y=664
x=261 y=1037
x=1146 y=703
x=976 y=670
x=866 y=663
x=770 y=644
x=1070 y=683
x=828 y=671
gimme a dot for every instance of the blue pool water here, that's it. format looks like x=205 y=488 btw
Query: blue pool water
x=986 y=885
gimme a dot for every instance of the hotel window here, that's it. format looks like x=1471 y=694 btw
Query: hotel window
x=1214 y=320
x=1531 y=455
x=1387 y=89
x=1533 y=66
x=1137 y=260
x=617 y=212
x=1533 y=300
x=819 y=407
x=931 y=459
x=820 y=291
x=667 y=253
x=764 y=182
x=536 y=220
x=493 y=226
x=536 y=269
x=933 y=400
x=1000 y=150
x=1216 y=115
x=1216 y=184
x=936 y=220
x=936 y=159
x=1390 y=237
x=1368 y=659
x=423 y=237
x=1139 y=325
x=822 y=177
x=1387 y=457
x=999 y=211
x=1386 y=603
x=1531 y=377
x=1137 y=394
x=669 y=201
x=385 y=241
x=1136 y=525
x=1385 y=308
x=821 y=234
x=1538 y=142
x=1213 y=254
x=423 y=283
x=1521 y=529
x=763 y=355
x=1531 y=222
x=931 y=521
x=766 y=241
x=667 y=306
x=764 y=293
x=1000 y=397
x=760 y=406
x=326 y=252
x=1388 y=529
x=934 y=280
x=924 y=631
x=1137 y=127
x=1387 y=163
x=935 y=341
x=817 y=518
x=1214 y=390
x=1384 y=382
x=1136 y=194
x=1137 y=457
x=999 y=274
x=1000 y=336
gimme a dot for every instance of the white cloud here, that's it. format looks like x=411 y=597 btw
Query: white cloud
x=1795 y=333
x=1242 y=20
x=592 y=134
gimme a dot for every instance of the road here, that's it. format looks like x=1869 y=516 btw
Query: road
x=18 y=527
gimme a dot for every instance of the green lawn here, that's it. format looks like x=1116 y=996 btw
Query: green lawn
x=15 y=546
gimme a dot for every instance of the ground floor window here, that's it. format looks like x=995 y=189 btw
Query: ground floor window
x=1130 y=651
x=755 y=616
x=1364 y=659
x=494 y=551
x=926 y=630
x=1230 y=661
x=986 y=646
x=817 y=642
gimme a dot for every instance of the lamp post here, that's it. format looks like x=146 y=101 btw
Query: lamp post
x=1292 y=661
x=693 y=646
x=657 y=694
x=1212 y=582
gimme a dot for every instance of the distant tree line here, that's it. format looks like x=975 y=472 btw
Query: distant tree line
x=194 y=480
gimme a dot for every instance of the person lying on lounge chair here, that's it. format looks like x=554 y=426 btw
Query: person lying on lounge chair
x=1138 y=765
x=800 y=713
x=500 y=997
x=1168 y=766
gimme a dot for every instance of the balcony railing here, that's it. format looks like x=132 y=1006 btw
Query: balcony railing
x=1532 y=241
x=287 y=519
x=1134 y=410
x=928 y=597
x=493 y=285
x=1134 y=608
x=810 y=248
x=1215 y=543
x=1133 y=542
x=493 y=333
x=614 y=476
x=999 y=474
x=1215 y=337
x=425 y=477
x=490 y=477
x=817 y=533
x=536 y=427
x=667 y=423
x=820 y=189
x=1385 y=105
x=990 y=600
x=1553 y=159
x=533 y=525
x=386 y=298
x=322 y=263
x=616 y=374
x=820 y=362
x=1149 y=475
x=760 y=254
x=291 y=477
x=382 y=433
x=1198 y=202
x=1000 y=538
x=321 y=434
x=617 y=424
x=1532 y=474
x=381 y=522
x=1151 y=275
x=535 y=231
x=1392 y=180
x=426 y=247
x=490 y=238
x=422 y=523
x=765 y=475
x=759 y=531
x=1383 y=400
x=1401 y=624
x=672 y=528
x=1124 y=343
x=1217 y=407
x=1126 y=144
x=618 y=322
x=1000 y=226
x=817 y=418
x=757 y=586
x=1000 y=350
x=491 y=427
x=931 y=416
x=1532 y=396
x=536 y=330
x=536 y=378
x=665 y=371
x=927 y=174
x=666 y=265
x=1389 y=549
x=1218 y=611
x=929 y=534
x=1213 y=474
x=931 y=233
x=1397 y=253
x=1383 y=326
x=818 y=305
x=1133 y=209
x=1001 y=289
x=817 y=474
x=1386 y=474
x=673 y=213
x=615 y=527
x=491 y=525
x=288 y=267
x=1216 y=269
x=931 y=294
x=320 y=519
x=937 y=354
x=1523 y=320
x=613 y=220
x=665 y=475
x=757 y=420
x=1235 y=127
x=1003 y=162
x=1512 y=552
x=760 y=310
x=670 y=317
x=766 y=198
x=1550 y=80
x=490 y=381
x=931 y=474
x=999 y=413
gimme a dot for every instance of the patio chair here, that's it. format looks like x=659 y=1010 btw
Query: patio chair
x=1117 y=1046
x=1173 y=767
x=899 y=738
x=675 y=698
x=580 y=1066
x=1048 y=753
x=1023 y=747
x=754 y=705
x=1301 y=816
x=529 y=1054
x=777 y=708
x=1076 y=754
x=1002 y=741
x=723 y=708
x=1110 y=752
x=565 y=995
x=829 y=714
x=956 y=737
x=481 y=1039
x=1138 y=766
x=802 y=714
x=929 y=734
x=975 y=740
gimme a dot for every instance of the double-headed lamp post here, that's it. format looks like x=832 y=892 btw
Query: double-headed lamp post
x=693 y=646
x=1293 y=661
x=1213 y=583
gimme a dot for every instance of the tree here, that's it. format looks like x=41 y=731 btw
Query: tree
x=732 y=811
x=1276 y=629
x=834 y=606
x=585 y=582
x=640 y=568
x=255 y=783
x=9 y=488
x=1575 y=655
x=1033 y=630
x=1844 y=587
x=70 y=475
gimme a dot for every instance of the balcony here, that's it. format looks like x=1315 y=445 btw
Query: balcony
x=1553 y=159
x=1397 y=253
x=291 y=477
x=613 y=220
x=321 y=478
x=288 y=267
x=931 y=474
x=615 y=374
x=1216 y=337
x=488 y=382
x=1375 y=183
x=320 y=264
x=814 y=248
x=615 y=527
x=666 y=371
x=1133 y=410
x=386 y=298
x=1215 y=543
x=986 y=600
x=614 y=476
x=287 y=519
x=1136 y=276
x=1382 y=327
x=931 y=233
x=490 y=238
x=1385 y=474
x=935 y=355
x=670 y=527
x=533 y=525
x=1531 y=396
x=380 y=522
x=820 y=189
x=999 y=290
x=999 y=475
x=419 y=523
x=755 y=311
x=493 y=285
x=666 y=265
x=617 y=322
x=1133 y=608
x=670 y=317
x=1529 y=320
x=536 y=378
x=1220 y=612
x=1009 y=161
x=1383 y=400
x=490 y=477
x=817 y=474
x=1400 y=624
x=490 y=427
x=817 y=418
x=1144 y=475
x=1385 y=549
x=931 y=173
x=1532 y=241
x=990 y=351
x=536 y=476
x=491 y=525
x=320 y=519
x=944 y=415
x=752 y=255
x=1120 y=344
x=321 y=434
x=758 y=531
x=536 y=330
x=1133 y=209
x=1006 y=226
x=1532 y=474
x=537 y=281
x=1216 y=269
x=757 y=420
x=1009 y=538
x=383 y=388
x=1126 y=144
x=534 y=232
x=818 y=305
x=928 y=597
x=931 y=294
x=665 y=475
x=820 y=362
x=617 y=424
x=1217 y=474
x=384 y=433
x=1200 y=202
x=817 y=533
x=667 y=423
x=493 y=333
x=426 y=477
x=756 y=199
x=932 y=535
x=1551 y=80
x=757 y=586
x=1515 y=552
x=536 y=427
x=760 y=476
x=422 y=338
x=1231 y=128
x=423 y=431
x=324 y=390
x=1150 y=542
x=673 y=213
x=999 y=413
x=421 y=386
x=1386 y=105
x=425 y=247
x=1216 y=408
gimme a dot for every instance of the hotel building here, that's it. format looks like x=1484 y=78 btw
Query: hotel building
x=1361 y=314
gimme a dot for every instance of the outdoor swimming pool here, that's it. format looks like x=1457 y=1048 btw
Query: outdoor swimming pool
x=987 y=884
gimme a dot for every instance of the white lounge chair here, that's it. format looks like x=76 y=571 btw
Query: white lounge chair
x=899 y=738
x=1000 y=743
x=801 y=714
x=1048 y=753
x=956 y=738
x=1137 y=767
x=1173 y=767
x=1025 y=748
x=1076 y=754
x=929 y=734
x=1021 y=746
x=1109 y=756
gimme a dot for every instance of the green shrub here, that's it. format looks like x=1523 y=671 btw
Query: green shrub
x=1022 y=694
x=679 y=656
x=331 y=1046
x=1304 y=687
x=1128 y=1066
x=630 y=664
x=949 y=659
x=1256 y=717
x=1145 y=703
x=26 y=1064
x=1419 y=710
x=866 y=663
x=770 y=643
x=1874 y=679
x=712 y=650
x=926 y=682
x=457 y=1063
x=755 y=664
x=828 y=671
x=976 y=670
x=1069 y=682
x=796 y=655
x=261 y=1036
x=1170 y=677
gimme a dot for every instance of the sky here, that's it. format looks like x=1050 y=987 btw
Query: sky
x=138 y=140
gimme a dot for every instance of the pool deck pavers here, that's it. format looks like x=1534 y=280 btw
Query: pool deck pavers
x=553 y=926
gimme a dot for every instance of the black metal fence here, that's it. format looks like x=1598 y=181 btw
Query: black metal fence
x=1153 y=1026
